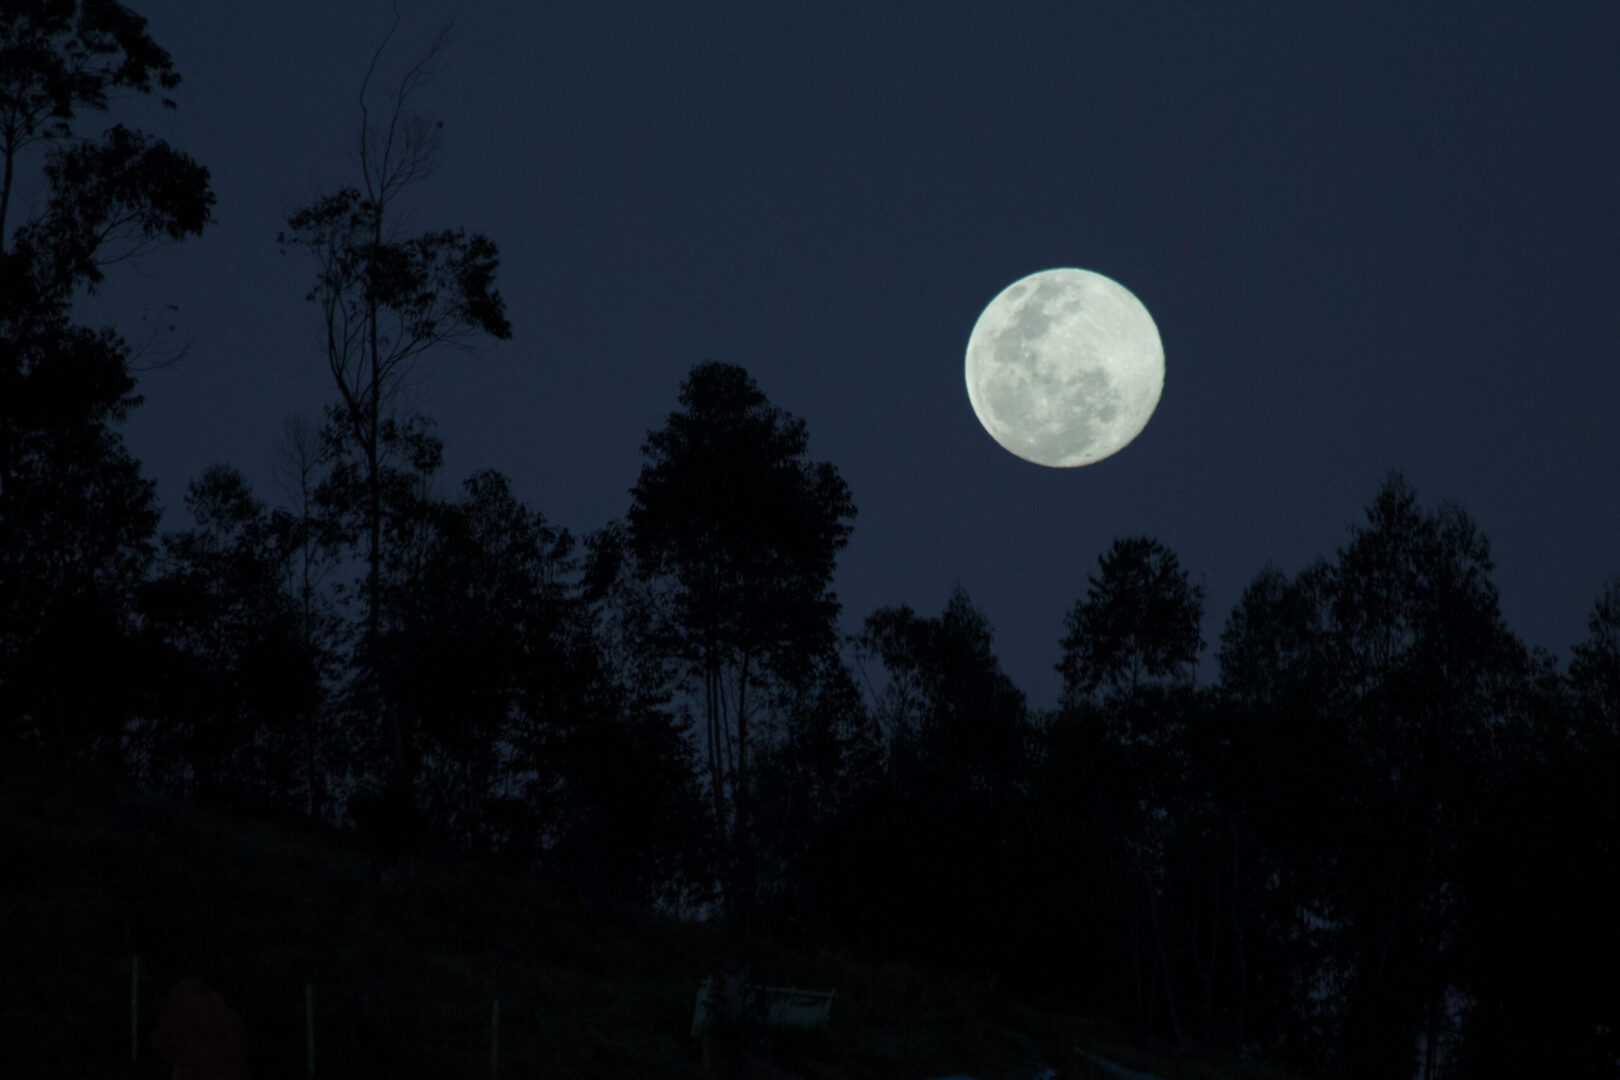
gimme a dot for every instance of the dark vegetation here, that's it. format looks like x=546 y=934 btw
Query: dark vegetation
x=426 y=752
x=405 y=973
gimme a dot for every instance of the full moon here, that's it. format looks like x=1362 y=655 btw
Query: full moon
x=1064 y=367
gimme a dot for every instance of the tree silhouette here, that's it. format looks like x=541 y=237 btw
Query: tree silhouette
x=1427 y=674
x=1594 y=671
x=648 y=789
x=1138 y=623
x=935 y=838
x=742 y=532
x=826 y=758
x=76 y=518
x=1067 y=884
x=1270 y=785
x=484 y=614
x=314 y=544
x=410 y=454
x=1129 y=652
x=1378 y=692
x=383 y=302
x=232 y=676
x=968 y=722
x=1537 y=954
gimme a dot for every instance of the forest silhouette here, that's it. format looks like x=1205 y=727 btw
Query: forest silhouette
x=1382 y=840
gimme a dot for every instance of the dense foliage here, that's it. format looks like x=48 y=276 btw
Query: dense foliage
x=76 y=517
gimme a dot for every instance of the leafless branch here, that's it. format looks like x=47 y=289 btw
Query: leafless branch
x=365 y=113
x=384 y=173
x=146 y=347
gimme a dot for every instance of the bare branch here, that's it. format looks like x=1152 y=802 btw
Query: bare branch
x=386 y=173
x=365 y=115
x=420 y=147
x=146 y=347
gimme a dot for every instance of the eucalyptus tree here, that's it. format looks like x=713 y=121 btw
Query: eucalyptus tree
x=1537 y=956
x=314 y=545
x=233 y=676
x=936 y=839
x=1427 y=680
x=382 y=772
x=1137 y=624
x=1380 y=692
x=486 y=621
x=1594 y=670
x=76 y=517
x=826 y=758
x=1271 y=784
x=741 y=533
x=1127 y=666
x=640 y=780
x=969 y=723
x=383 y=302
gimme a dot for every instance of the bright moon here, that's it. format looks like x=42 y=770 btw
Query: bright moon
x=1064 y=367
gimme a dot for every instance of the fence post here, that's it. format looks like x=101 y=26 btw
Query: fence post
x=309 y=1023
x=494 y=1038
x=134 y=1013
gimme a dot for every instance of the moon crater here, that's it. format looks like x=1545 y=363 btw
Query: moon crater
x=1064 y=367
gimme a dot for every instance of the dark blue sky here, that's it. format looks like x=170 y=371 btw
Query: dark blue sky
x=1373 y=236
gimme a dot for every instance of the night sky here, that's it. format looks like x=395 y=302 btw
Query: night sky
x=1373 y=236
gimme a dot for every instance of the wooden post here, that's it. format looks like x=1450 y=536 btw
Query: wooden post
x=134 y=1012
x=494 y=1039
x=309 y=1024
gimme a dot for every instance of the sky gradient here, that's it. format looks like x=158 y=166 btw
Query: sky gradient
x=1372 y=236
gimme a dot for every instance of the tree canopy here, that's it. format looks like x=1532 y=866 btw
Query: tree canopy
x=76 y=516
x=743 y=532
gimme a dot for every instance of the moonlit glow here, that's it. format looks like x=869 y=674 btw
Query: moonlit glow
x=1064 y=367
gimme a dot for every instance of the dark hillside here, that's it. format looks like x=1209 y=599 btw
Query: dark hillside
x=405 y=975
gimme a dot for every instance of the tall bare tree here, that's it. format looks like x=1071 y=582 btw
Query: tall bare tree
x=385 y=300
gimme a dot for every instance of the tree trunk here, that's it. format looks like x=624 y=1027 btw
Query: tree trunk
x=1206 y=971
x=5 y=194
x=316 y=792
x=1164 y=967
x=717 y=783
x=1237 y=935
x=1136 y=961
x=742 y=840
